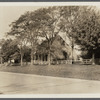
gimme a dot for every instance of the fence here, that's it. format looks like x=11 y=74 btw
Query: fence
x=84 y=61
x=53 y=62
x=87 y=61
x=57 y=62
x=36 y=62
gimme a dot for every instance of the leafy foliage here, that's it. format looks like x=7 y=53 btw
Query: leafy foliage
x=80 y=23
x=86 y=30
x=8 y=49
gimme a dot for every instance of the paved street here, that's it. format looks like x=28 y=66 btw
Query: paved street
x=15 y=83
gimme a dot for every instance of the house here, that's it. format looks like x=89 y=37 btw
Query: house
x=60 y=50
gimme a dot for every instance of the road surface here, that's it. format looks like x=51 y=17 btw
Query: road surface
x=16 y=83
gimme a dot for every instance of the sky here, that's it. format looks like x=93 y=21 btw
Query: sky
x=9 y=14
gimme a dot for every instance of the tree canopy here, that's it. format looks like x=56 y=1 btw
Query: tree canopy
x=86 y=30
x=80 y=23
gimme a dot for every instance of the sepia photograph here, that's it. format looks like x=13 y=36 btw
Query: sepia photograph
x=49 y=48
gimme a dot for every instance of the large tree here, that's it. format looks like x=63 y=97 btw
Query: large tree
x=69 y=16
x=48 y=20
x=19 y=32
x=85 y=29
x=26 y=30
x=2 y=41
x=9 y=48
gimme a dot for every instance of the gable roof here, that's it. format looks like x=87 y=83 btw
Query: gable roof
x=59 y=46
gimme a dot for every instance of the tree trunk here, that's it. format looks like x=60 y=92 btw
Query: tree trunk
x=49 y=61
x=40 y=59
x=21 y=62
x=21 y=59
x=72 y=54
x=93 y=58
x=32 y=57
x=1 y=60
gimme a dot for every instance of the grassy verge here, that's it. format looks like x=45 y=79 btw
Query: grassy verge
x=88 y=72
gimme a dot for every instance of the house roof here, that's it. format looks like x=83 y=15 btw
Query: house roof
x=58 y=46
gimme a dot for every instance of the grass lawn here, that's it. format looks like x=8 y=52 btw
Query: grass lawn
x=88 y=72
